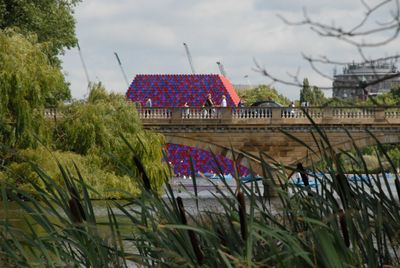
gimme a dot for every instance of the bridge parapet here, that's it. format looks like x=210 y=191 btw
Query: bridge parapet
x=269 y=115
x=258 y=129
x=51 y=113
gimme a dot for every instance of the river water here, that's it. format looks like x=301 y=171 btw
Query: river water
x=206 y=192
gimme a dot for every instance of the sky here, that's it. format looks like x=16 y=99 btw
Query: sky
x=148 y=35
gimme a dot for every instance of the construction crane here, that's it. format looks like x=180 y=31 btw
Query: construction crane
x=84 y=66
x=221 y=68
x=122 y=69
x=189 y=57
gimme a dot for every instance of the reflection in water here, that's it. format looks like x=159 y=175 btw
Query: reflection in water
x=182 y=187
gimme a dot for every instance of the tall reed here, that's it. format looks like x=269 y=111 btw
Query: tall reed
x=337 y=224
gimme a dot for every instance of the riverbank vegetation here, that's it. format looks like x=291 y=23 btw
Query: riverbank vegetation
x=83 y=133
x=262 y=93
x=340 y=223
x=88 y=135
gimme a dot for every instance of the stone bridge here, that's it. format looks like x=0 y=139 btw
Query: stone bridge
x=280 y=133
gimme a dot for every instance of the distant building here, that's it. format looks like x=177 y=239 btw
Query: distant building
x=348 y=84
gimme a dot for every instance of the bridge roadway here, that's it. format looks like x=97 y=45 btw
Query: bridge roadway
x=268 y=130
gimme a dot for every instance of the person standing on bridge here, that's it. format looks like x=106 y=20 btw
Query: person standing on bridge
x=292 y=110
x=149 y=103
x=148 y=106
x=223 y=101
x=186 y=110
x=208 y=104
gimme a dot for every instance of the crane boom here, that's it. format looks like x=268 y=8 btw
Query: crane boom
x=189 y=58
x=221 y=68
x=122 y=69
x=84 y=65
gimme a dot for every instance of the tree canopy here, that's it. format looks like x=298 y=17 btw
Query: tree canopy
x=311 y=94
x=51 y=20
x=94 y=135
x=390 y=98
x=262 y=93
x=27 y=80
x=95 y=127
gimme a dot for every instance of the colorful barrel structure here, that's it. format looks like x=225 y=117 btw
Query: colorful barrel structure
x=173 y=90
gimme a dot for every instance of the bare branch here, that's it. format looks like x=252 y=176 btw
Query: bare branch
x=356 y=31
x=327 y=61
x=312 y=64
x=369 y=12
x=368 y=32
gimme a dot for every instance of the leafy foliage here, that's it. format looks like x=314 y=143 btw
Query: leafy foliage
x=89 y=134
x=390 y=98
x=27 y=79
x=313 y=95
x=94 y=128
x=262 y=93
x=105 y=182
x=51 y=20
x=394 y=154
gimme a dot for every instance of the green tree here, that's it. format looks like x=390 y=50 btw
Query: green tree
x=27 y=79
x=319 y=96
x=94 y=128
x=394 y=155
x=311 y=94
x=390 y=98
x=306 y=92
x=51 y=20
x=20 y=172
x=262 y=93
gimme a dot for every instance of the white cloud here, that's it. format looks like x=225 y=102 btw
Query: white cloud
x=135 y=33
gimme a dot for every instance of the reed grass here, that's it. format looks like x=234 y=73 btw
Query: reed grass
x=338 y=224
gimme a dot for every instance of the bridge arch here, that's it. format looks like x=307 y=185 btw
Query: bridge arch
x=294 y=151
x=347 y=143
x=254 y=130
x=197 y=143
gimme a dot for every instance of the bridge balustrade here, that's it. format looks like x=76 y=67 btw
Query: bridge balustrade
x=218 y=113
x=251 y=112
x=200 y=113
x=155 y=113
x=354 y=112
x=262 y=115
x=392 y=113
x=269 y=114
x=51 y=113
x=299 y=113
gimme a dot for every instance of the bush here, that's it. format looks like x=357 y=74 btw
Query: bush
x=95 y=128
x=104 y=182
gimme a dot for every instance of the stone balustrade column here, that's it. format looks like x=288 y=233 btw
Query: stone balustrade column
x=276 y=117
x=226 y=114
x=379 y=114
x=327 y=113
x=176 y=114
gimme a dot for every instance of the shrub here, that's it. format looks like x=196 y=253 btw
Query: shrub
x=95 y=128
x=105 y=182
